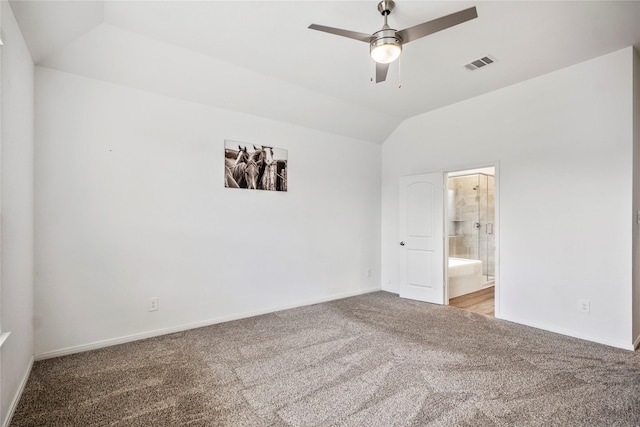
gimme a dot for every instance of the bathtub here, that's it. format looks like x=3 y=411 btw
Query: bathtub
x=465 y=276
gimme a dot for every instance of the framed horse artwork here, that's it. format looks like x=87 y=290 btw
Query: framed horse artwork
x=254 y=167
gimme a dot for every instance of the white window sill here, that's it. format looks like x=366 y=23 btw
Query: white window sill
x=3 y=337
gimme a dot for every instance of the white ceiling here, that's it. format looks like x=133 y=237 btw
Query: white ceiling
x=258 y=57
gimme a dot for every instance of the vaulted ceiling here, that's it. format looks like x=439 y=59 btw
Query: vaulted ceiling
x=259 y=57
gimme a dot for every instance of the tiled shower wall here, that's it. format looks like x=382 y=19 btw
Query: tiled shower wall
x=471 y=202
x=463 y=213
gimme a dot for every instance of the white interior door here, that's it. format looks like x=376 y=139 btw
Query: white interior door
x=421 y=235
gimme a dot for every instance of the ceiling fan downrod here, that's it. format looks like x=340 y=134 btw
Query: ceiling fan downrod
x=385 y=8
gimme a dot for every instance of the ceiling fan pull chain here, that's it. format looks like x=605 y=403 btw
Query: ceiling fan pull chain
x=399 y=73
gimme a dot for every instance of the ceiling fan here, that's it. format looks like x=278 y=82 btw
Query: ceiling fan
x=385 y=45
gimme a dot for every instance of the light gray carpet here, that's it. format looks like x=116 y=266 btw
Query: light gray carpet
x=371 y=360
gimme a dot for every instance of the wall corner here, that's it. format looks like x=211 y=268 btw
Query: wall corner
x=635 y=300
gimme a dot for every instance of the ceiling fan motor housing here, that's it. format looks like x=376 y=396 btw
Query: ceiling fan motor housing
x=385 y=37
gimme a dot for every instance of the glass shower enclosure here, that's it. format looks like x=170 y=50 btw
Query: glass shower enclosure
x=471 y=206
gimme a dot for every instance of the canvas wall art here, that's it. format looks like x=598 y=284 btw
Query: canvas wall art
x=254 y=167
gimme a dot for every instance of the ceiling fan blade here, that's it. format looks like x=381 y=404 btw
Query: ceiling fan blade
x=345 y=33
x=426 y=28
x=381 y=72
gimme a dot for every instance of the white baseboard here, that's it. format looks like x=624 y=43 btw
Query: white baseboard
x=636 y=343
x=16 y=398
x=569 y=333
x=149 y=334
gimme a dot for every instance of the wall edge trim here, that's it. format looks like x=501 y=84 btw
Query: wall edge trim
x=16 y=398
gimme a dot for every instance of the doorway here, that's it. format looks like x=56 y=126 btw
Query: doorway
x=471 y=219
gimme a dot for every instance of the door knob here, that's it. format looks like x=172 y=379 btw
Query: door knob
x=401 y=243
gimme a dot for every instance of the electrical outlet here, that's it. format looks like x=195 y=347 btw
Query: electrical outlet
x=584 y=306
x=153 y=304
x=368 y=272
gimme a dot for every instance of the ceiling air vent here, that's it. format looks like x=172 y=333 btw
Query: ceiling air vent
x=479 y=63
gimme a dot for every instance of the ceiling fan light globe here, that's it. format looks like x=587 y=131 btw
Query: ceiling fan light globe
x=385 y=51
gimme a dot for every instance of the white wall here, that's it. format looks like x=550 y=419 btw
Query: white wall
x=130 y=204
x=17 y=253
x=564 y=146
